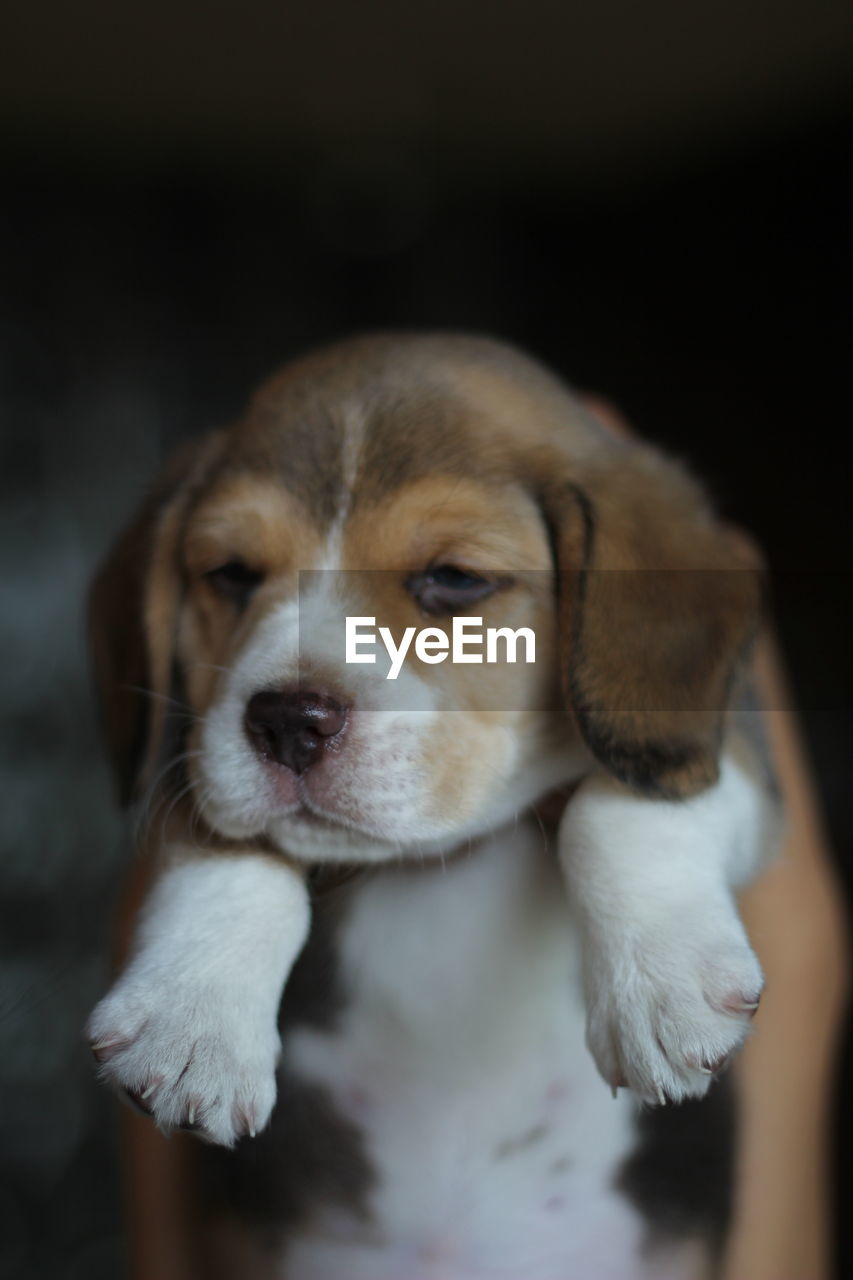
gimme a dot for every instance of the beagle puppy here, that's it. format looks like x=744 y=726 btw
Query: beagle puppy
x=444 y=967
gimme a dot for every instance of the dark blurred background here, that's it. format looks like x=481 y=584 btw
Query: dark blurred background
x=655 y=198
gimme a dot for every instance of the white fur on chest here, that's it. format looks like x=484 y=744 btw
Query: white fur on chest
x=460 y=1055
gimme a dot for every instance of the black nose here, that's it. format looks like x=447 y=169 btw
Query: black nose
x=293 y=727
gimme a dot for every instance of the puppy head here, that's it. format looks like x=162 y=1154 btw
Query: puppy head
x=413 y=480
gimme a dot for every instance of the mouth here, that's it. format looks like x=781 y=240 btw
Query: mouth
x=307 y=831
x=299 y=808
x=314 y=818
x=317 y=798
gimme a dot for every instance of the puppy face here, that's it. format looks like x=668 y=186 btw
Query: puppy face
x=438 y=754
x=411 y=481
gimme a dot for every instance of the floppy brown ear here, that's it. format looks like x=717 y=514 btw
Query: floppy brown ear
x=657 y=605
x=133 y=611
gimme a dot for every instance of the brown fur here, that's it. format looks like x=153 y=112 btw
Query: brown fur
x=473 y=454
x=656 y=608
x=133 y=617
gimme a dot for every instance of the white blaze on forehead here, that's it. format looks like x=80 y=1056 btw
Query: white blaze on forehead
x=353 y=434
x=352 y=448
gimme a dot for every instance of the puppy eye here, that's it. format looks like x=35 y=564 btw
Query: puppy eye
x=235 y=581
x=446 y=589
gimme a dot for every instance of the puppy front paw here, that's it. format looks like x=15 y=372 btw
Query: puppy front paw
x=192 y=1058
x=668 y=1006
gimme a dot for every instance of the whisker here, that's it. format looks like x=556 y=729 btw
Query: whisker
x=156 y=793
x=176 y=799
x=546 y=844
x=201 y=801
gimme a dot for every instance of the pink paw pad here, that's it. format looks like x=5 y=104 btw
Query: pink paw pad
x=738 y=1004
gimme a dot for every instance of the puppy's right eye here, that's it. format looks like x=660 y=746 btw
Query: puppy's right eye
x=235 y=581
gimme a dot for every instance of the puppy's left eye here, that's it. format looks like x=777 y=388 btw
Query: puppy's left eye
x=446 y=589
x=235 y=581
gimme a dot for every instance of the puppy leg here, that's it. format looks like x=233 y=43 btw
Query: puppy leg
x=189 y=1030
x=671 y=982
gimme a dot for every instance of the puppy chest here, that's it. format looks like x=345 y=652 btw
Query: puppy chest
x=454 y=1066
x=486 y=1153
x=439 y=1115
